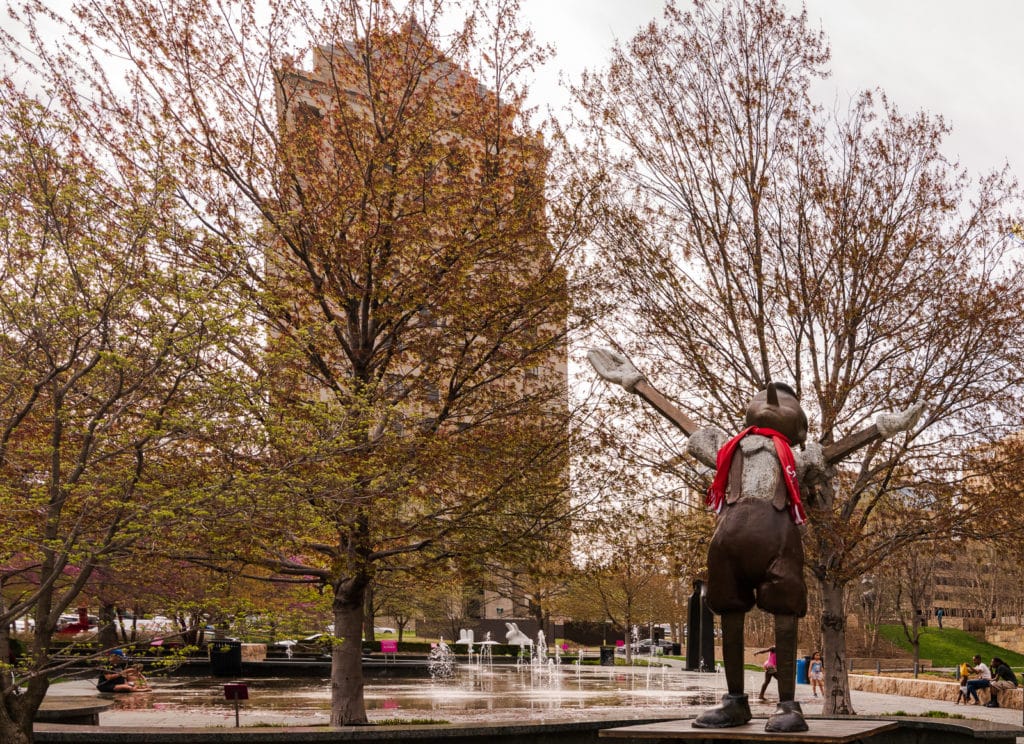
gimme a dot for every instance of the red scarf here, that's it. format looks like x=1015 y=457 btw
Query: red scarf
x=716 y=494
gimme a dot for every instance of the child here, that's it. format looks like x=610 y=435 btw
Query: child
x=770 y=668
x=816 y=672
x=964 y=671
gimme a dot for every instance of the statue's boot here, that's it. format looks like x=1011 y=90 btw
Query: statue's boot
x=787 y=718
x=734 y=710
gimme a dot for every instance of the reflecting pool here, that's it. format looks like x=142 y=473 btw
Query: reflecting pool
x=502 y=693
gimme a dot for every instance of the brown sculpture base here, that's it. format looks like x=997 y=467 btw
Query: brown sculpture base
x=830 y=731
x=823 y=731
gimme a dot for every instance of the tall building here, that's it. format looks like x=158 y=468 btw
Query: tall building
x=415 y=272
x=976 y=587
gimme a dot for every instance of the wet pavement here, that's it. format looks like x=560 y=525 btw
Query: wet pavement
x=501 y=694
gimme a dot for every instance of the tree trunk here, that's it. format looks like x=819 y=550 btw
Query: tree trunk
x=5 y=635
x=18 y=711
x=108 y=627
x=833 y=635
x=347 y=707
x=12 y=732
x=369 y=615
x=537 y=612
x=916 y=643
x=629 y=637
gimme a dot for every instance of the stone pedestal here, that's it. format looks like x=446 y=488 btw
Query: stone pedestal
x=254 y=652
x=824 y=731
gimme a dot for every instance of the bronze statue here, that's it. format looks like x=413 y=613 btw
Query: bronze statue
x=756 y=555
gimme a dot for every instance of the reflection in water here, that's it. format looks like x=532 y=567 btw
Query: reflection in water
x=501 y=693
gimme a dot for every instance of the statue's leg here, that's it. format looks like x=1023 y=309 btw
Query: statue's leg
x=785 y=652
x=734 y=710
x=732 y=650
x=788 y=716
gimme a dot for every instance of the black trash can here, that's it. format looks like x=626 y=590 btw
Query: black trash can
x=225 y=658
x=676 y=650
x=607 y=655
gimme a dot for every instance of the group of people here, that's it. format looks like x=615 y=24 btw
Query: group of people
x=119 y=676
x=998 y=677
x=815 y=671
x=978 y=676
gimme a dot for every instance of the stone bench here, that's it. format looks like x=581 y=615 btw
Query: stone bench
x=74 y=711
x=1006 y=698
x=933 y=689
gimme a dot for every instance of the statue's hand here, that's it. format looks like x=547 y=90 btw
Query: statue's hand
x=705 y=443
x=813 y=456
x=614 y=368
x=811 y=469
x=890 y=424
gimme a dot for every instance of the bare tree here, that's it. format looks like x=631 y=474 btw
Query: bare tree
x=913 y=573
x=625 y=580
x=875 y=604
x=750 y=236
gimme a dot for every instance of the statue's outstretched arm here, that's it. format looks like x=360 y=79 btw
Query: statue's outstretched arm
x=616 y=368
x=886 y=425
x=704 y=444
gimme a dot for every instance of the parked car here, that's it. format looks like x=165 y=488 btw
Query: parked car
x=643 y=648
x=318 y=643
x=69 y=623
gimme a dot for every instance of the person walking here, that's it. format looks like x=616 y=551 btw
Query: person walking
x=770 y=668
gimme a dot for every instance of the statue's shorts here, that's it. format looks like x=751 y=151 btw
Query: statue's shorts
x=756 y=557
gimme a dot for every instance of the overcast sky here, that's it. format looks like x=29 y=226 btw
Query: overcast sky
x=962 y=59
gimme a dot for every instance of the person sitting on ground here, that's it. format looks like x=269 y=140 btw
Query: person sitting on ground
x=120 y=678
x=982 y=682
x=1003 y=678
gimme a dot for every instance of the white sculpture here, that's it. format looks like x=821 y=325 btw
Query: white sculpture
x=516 y=637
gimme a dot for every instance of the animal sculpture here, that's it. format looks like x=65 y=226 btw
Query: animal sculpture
x=516 y=637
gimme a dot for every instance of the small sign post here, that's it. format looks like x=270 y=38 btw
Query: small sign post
x=236 y=691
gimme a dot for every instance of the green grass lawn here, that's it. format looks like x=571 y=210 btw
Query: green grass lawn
x=948 y=647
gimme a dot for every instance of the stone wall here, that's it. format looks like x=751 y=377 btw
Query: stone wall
x=1011 y=638
x=967 y=624
x=254 y=652
x=933 y=689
